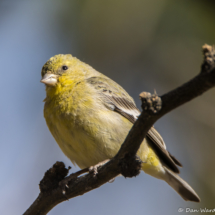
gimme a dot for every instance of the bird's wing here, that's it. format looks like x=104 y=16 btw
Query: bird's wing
x=117 y=99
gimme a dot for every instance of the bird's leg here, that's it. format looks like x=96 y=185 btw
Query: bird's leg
x=93 y=169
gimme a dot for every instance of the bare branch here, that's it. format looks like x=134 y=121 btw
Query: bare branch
x=125 y=162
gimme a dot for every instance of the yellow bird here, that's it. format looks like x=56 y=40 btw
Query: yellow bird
x=89 y=115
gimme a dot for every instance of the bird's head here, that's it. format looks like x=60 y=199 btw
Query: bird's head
x=57 y=66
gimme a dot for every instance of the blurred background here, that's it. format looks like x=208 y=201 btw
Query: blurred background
x=141 y=44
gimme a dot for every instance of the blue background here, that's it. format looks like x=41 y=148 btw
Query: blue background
x=143 y=45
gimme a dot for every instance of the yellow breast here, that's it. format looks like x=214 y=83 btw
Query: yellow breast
x=86 y=136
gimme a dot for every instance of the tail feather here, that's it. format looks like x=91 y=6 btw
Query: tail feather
x=181 y=186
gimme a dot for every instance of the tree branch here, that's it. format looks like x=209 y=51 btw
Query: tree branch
x=125 y=162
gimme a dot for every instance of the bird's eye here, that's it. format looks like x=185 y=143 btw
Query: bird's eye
x=64 y=67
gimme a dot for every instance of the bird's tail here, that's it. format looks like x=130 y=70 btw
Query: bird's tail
x=181 y=186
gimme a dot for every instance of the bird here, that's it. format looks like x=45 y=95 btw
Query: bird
x=89 y=116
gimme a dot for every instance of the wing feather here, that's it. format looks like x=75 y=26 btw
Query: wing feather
x=116 y=98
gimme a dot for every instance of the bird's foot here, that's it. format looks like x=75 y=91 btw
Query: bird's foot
x=94 y=169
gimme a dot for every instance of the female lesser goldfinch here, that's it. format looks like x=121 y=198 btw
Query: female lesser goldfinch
x=90 y=115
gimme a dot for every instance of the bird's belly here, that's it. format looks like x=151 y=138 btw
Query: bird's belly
x=79 y=147
x=86 y=144
x=86 y=151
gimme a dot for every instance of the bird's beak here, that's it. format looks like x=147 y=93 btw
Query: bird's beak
x=49 y=79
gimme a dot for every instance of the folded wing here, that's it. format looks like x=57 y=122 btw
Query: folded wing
x=118 y=100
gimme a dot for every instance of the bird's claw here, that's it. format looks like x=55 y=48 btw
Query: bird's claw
x=94 y=169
